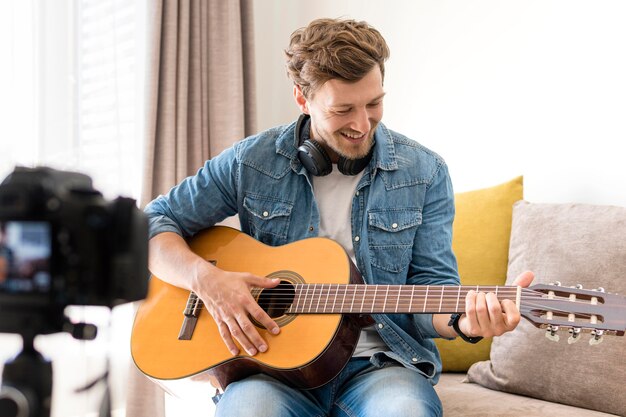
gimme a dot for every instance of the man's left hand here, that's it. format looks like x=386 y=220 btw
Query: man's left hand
x=486 y=316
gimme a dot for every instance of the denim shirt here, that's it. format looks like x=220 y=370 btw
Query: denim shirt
x=402 y=215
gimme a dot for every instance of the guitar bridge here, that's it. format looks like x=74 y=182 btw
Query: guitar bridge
x=191 y=313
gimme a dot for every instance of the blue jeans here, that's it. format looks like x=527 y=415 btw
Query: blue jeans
x=360 y=390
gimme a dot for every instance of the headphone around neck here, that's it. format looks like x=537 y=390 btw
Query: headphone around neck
x=315 y=158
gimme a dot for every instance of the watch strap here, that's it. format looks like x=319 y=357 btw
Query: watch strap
x=454 y=323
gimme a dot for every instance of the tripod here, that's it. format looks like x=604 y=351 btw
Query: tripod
x=26 y=389
x=26 y=384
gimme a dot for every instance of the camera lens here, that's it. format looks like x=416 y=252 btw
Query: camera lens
x=13 y=403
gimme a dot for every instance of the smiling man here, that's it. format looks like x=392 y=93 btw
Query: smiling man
x=346 y=114
x=336 y=172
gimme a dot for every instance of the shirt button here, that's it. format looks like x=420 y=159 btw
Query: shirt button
x=356 y=238
x=380 y=325
x=310 y=228
x=357 y=194
x=265 y=214
x=413 y=360
x=394 y=226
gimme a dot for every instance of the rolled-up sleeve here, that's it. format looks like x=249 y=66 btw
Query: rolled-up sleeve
x=199 y=201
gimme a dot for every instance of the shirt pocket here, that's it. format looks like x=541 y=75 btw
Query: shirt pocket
x=268 y=218
x=391 y=235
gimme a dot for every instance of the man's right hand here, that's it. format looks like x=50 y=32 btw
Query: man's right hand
x=226 y=295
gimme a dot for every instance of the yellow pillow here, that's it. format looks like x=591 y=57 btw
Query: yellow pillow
x=481 y=232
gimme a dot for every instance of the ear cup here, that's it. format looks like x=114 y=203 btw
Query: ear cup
x=314 y=158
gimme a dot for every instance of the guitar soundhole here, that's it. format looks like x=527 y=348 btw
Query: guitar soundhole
x=275 y=301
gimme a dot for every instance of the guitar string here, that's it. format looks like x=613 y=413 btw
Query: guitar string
x=290 y=297
x=445 y=305
x=285 y=298
x=444 y=308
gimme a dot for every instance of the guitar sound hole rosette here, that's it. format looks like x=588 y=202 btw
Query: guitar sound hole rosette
x=276 y=301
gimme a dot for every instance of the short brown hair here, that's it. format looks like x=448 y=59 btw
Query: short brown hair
x=334 y=48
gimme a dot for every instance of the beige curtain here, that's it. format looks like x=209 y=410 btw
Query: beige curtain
x=201 y=88
x=200 y=100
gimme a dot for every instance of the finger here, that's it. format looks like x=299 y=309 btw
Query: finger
x=222 y=327
x=482 y=315
x=511 y=314
x=240 y=335
x=473 y=327
x=262 y=317
x=252 y=334
x=257 y=312
x=263 y=282
x=496 y=317
x=227 y=338
x=524 y=279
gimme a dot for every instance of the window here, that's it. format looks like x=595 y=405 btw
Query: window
x=75 y=83
x=72 y=98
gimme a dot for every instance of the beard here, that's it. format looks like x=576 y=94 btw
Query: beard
x=342 y=147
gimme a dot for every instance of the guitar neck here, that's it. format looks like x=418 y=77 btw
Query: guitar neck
x=369 y=299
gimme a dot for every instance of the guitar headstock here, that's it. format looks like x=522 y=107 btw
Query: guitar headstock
x=555 y=307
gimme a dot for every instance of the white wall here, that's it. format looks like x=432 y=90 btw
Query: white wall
x=498 y=88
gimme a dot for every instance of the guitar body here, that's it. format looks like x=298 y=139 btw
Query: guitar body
x=310 y=349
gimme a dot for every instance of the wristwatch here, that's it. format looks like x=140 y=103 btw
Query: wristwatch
x=454 y=322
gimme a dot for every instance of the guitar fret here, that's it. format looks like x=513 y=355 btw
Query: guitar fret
x=374 y=301
x=319 y=297
x=362 y=298
x=296 y=301
x=441 y=299
x=411 y=299
x=301 y=298
x=305 y=301
x=426 y=298
x=385 y=302
x=326 y=298
x=335 y=297
x=352 y=302
x=458 y=297
x=398 y=300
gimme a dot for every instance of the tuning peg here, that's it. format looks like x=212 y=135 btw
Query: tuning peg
x=574 y=335
x=551 y=333
x=578 y=286
x=596 y=337
x=600 y=289
x=556 y=283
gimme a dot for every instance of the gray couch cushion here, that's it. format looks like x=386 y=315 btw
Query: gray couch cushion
x=472 y=400
x=573 y=244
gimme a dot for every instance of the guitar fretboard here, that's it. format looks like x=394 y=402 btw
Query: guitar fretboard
x=368 y=299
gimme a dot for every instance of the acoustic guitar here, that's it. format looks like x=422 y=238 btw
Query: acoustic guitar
x=319 y=305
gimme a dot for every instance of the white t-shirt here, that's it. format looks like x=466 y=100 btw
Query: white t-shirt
x=333 y=194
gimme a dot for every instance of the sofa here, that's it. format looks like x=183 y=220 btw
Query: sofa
x=498 y=235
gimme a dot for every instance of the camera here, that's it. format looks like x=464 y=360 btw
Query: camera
x=61 y=243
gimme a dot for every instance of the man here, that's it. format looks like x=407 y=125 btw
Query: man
x=336 y=172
